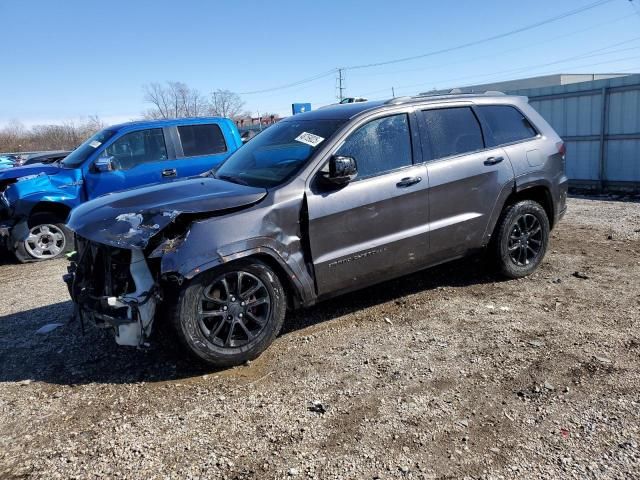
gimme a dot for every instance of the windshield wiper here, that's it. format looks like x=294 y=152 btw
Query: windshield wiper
x=232 y=179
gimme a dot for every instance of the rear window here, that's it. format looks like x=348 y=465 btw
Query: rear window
x=450 y=131
x=204 y=139
x=506 y=124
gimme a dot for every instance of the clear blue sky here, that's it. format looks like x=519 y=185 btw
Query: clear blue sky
x=68 y=59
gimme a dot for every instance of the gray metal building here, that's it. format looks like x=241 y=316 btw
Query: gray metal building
x=533 y=82
x=600 y=123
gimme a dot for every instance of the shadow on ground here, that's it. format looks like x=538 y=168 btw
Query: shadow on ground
x=7 y=258
x=67 y=356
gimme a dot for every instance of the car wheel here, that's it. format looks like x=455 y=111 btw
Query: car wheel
x=48 y=238
x=521 y=239
x=231 y=314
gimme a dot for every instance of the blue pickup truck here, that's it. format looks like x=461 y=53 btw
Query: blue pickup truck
x=35 y=200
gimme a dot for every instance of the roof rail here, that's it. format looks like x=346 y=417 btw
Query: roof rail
x=456 y=92
x=398 y=100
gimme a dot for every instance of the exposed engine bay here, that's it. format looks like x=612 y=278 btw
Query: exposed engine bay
x=113 y=288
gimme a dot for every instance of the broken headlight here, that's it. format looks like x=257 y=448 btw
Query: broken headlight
x=168 y=245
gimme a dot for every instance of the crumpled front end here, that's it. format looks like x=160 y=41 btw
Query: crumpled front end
x=6 y=224
x=114 y=288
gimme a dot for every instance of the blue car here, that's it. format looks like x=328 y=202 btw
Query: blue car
x=7 y=161
x=35 y=200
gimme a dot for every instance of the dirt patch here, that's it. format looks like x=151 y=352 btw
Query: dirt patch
x=473 y=376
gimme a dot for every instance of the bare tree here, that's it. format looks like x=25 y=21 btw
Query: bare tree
x=66 y=136
x=225 y=103
x=174 y=100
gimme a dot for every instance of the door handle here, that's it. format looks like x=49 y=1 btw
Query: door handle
x=169 y=172
x=493 y=160
x=408 y=181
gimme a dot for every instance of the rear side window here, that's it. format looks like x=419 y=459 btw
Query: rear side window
x=450 y=131
x=204 y=139
x=380 y=146
x=506 y=124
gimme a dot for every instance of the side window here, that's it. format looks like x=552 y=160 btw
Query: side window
x=506 y=124
x=450 y=131
x=201 y=140
x=379 y=146
x=136 y=148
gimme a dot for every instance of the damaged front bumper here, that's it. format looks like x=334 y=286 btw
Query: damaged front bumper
x=12 y=233
x=112 y=293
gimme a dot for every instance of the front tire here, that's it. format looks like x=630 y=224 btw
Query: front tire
x=231 y=314
x=521 y=239
x=48 y=238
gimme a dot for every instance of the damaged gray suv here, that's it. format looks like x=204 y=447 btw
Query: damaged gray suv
x=317 y=205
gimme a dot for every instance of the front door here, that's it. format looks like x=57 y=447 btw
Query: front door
x=138 y=158
x=375 y=227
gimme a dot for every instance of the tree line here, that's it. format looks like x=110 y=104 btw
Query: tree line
x=166 y=100
x=178 y=100
x=15 y=137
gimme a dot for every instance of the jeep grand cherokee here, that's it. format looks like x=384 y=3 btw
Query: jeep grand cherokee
x=317 y=205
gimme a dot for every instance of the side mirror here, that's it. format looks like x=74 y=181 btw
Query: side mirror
x=342 y=170
x=104 y=164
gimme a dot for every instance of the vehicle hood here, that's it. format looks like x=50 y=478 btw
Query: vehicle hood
x=27 y=170
x=129 y=219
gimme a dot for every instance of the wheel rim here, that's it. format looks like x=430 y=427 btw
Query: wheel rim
x=234 y=309
x=45 y=241
x=525 y=240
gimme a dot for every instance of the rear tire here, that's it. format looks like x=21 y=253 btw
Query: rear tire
x=231 y=314
x=521 y=239
x=48 y=238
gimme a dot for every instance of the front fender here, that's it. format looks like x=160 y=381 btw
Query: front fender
x=24 y=195
x=208 y=243
x=187 y=266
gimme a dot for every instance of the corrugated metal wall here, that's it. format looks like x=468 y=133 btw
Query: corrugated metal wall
x=600 y=123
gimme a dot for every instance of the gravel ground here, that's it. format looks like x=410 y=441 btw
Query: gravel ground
x=449 y=373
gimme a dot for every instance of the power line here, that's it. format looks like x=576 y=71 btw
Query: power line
x=486 y=39
x=436 y=52
x=587 y=54
x=293 y=84
x=536 y=67
x=501 y=52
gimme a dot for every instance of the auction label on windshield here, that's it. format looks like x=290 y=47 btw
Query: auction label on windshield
x=95 y=144
x=309 y=139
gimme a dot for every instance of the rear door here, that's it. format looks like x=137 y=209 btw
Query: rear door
x=508 y=127
x=465 y=178
x=138 y=158
x=376 y=226
x=199 y=148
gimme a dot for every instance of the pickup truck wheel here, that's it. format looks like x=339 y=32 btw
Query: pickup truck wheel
x=231 y=314
x=48 y=238
x=521 y=239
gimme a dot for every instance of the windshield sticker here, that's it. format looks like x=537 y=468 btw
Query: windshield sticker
x=309 y=139
x=95 y=144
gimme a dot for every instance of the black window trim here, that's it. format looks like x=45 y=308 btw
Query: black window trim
x=422 y=125
x=180 y=151
x=373 y=118
x=485 y=126
x=116 y=138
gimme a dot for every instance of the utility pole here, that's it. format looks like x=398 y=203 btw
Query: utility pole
x=341 y=88
x=393 y=93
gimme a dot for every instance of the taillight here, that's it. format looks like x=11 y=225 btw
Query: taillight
x=562 y=150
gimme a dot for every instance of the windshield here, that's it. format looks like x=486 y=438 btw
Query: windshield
x=80 y=154
x=276 y=154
